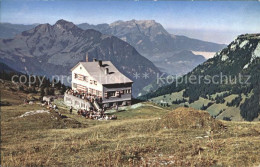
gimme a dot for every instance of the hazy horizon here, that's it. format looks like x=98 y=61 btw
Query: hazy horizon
x=216 y=21
x=224 y=37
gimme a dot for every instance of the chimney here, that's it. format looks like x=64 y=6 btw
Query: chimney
x=94 y=60
x=106 y=71
x=100 y=63
x=87 y=57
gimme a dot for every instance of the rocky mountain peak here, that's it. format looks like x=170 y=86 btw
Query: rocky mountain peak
x=248 y=44
x=152 y=40
x=148 y=28
x=63 y=24
x=147 y=23
x=133 y=22
x=42 y=26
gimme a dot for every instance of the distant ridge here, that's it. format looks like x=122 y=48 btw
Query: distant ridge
x=147 y=36
x=155 y=43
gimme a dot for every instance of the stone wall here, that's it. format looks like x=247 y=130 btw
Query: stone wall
x=76 y=102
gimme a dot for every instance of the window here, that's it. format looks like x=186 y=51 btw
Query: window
x=95 y=82
x=90 y=90
x=75 y=76
x=90 y=81
x=117 y=94
x=111 y=94
x=99 y=93
x=74 y=85
x=128 y=90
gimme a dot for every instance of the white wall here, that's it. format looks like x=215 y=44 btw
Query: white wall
x=82 y=71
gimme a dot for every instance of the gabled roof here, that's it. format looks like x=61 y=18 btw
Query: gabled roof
x=113 y=77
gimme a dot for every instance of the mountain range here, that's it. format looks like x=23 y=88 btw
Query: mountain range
x=150 y=39
x=8 y=30
x=55 y=49
x=229 y=85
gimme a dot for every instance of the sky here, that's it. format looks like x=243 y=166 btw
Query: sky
x=196 y=19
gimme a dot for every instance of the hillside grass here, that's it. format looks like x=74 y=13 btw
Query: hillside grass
x=145 y=135
x=220 y=111
x=199 y=103
x=169 y=98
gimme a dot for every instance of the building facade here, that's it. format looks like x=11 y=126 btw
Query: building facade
x=102 y=79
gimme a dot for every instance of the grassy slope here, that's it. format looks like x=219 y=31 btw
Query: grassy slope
x=146 y=135
x=169 y=98
x=214 y=110
x=199 y=103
